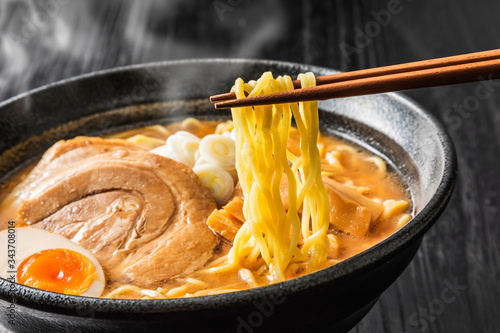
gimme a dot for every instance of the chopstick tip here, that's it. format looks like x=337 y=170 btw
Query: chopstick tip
x=219 y=106
x=222 y=97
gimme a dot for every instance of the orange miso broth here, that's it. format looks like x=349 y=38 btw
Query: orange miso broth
x=368 y=203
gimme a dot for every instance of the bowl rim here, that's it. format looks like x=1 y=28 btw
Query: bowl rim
x=411 y=232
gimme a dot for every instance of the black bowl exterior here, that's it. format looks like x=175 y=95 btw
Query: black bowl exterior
x=335 y=298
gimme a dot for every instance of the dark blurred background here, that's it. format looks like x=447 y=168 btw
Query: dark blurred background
x=46 y=41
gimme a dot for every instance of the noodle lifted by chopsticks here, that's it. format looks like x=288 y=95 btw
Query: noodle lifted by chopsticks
x=262 y=161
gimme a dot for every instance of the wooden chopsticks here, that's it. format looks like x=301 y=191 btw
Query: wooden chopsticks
x=414 y=75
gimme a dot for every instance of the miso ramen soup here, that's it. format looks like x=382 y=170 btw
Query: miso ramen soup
x=368 y=204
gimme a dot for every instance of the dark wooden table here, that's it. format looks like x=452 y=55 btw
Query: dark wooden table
x=45 y=41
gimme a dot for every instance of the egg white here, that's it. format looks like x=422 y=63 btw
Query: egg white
x=28 y=241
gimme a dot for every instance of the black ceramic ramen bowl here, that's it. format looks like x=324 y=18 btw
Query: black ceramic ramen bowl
x=334 y=299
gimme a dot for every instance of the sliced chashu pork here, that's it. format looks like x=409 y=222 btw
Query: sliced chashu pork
x=57 y=158
x=142 y=215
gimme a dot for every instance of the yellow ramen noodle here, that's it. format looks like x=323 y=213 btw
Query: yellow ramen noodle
x=262 y=161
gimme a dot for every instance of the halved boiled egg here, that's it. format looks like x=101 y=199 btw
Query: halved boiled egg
x=49 y=261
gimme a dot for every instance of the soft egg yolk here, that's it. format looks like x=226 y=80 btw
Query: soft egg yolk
x=59 y=270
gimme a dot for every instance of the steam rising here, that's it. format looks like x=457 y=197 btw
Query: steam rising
x=45 y=41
